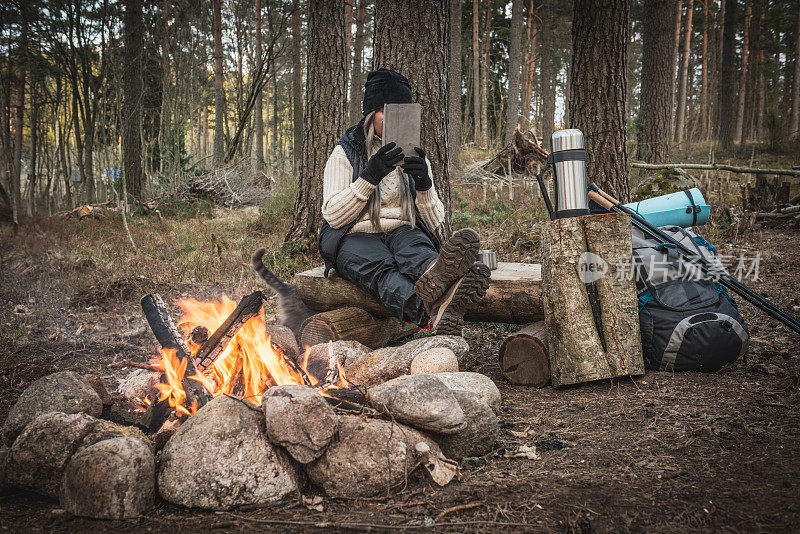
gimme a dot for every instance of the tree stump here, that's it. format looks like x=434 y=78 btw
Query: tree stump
x=523 y=356
x=575 y=343
x=353 y=323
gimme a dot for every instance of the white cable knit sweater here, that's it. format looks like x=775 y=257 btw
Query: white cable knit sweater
x=343 y=199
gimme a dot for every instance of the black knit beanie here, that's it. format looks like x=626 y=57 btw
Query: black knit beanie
x=385 y=86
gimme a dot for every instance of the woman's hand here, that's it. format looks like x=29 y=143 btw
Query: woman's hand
x=382 y=163
x=418 y=169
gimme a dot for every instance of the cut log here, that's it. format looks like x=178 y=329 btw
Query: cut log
x=282 y=338
x=575 y=342
x=523 y=356
x=168 y=336
x=354 y=324
x=514 y=295
x=247 y=308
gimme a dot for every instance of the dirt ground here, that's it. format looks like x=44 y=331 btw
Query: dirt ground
x=663 y=452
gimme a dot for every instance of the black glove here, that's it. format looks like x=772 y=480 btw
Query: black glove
x=418 y=169
x=382 y=163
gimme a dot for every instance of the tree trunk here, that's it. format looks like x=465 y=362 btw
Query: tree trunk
x=454 y=83
x=18 y=105
x=476 y=76
x=357 y=74
x=258 y=120
x=487 y=47
x=676 y=48
x=599 y=49
x=528 y=67
x=655 y=103
x=794 y=120
x=704 y=75
x=132 y=105
x=219 y=88
x=739 y=128
x=725 y=93
x=323 y=116
x=297 y=84
x=514 y=66
x=420 y=52
x=680 y=119
x=548 y=77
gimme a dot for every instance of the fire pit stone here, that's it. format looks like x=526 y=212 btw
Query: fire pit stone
x=480 y=433
x=221 y=458
x=367 y=457
x=384 y=364
x=477 y=383
x=39 y=455
x=436 y=360
x=64 y=392
x=299 y=419
x=112 y=479
x=3 y=455
x=137 y=385
x=420 y=401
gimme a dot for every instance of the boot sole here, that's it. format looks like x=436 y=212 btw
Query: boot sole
x=458 y=254
x=470 y=292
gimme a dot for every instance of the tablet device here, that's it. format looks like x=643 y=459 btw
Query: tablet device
x=401 y=125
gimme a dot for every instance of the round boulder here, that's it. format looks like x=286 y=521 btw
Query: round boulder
x=436 y=360
x=367 y=457
x=112 y=479
x=420 y=401
x=221 y=458
x=137 y=385
x=64 y=392
x=299 y=419
x=480 y=433
x=39 y=455
x=477 y=383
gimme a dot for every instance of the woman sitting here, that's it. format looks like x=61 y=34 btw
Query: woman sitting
x=381 y=219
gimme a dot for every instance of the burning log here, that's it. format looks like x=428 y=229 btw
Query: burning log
x=247 y=308
x=523 y=356
x=168 y=336
x=282 y=338
x=354 y=324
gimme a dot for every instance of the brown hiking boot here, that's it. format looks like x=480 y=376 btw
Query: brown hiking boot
x=455 y=259
x=448 y=314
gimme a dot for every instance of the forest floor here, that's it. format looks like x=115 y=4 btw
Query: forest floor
x=666 y=452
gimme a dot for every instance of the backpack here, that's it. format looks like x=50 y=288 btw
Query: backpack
x=688 y=321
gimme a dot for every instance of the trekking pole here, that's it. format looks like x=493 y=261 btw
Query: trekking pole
x=612 y=204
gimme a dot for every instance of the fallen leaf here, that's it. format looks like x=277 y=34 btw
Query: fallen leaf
x=313 y=503
x=441 y=470
x=523 y=451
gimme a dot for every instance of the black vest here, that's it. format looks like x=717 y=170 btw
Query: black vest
x=354 y=144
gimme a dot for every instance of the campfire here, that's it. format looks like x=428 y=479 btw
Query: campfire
x=221 y=347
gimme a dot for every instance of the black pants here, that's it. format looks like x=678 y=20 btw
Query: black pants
x=387 y=265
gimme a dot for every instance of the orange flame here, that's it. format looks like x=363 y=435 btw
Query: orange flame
x=247 y=367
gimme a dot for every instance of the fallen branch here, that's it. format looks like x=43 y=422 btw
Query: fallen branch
x=139 y=365
x=458 y=508
x=376 y=526
x=712 y=167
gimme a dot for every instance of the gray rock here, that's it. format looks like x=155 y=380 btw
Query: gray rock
x=39 y=455
x=299 y=419
x=420 y=401
x=367 y=457
x=384 y=364
x=64 y=392
x=349 y=351
x=112 y=479
x=137 y=385
x=436 y=360
x=477 y=383
x=480 y=433
x=221 y=458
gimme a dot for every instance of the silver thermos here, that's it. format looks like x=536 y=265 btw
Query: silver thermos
x=569 y=169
